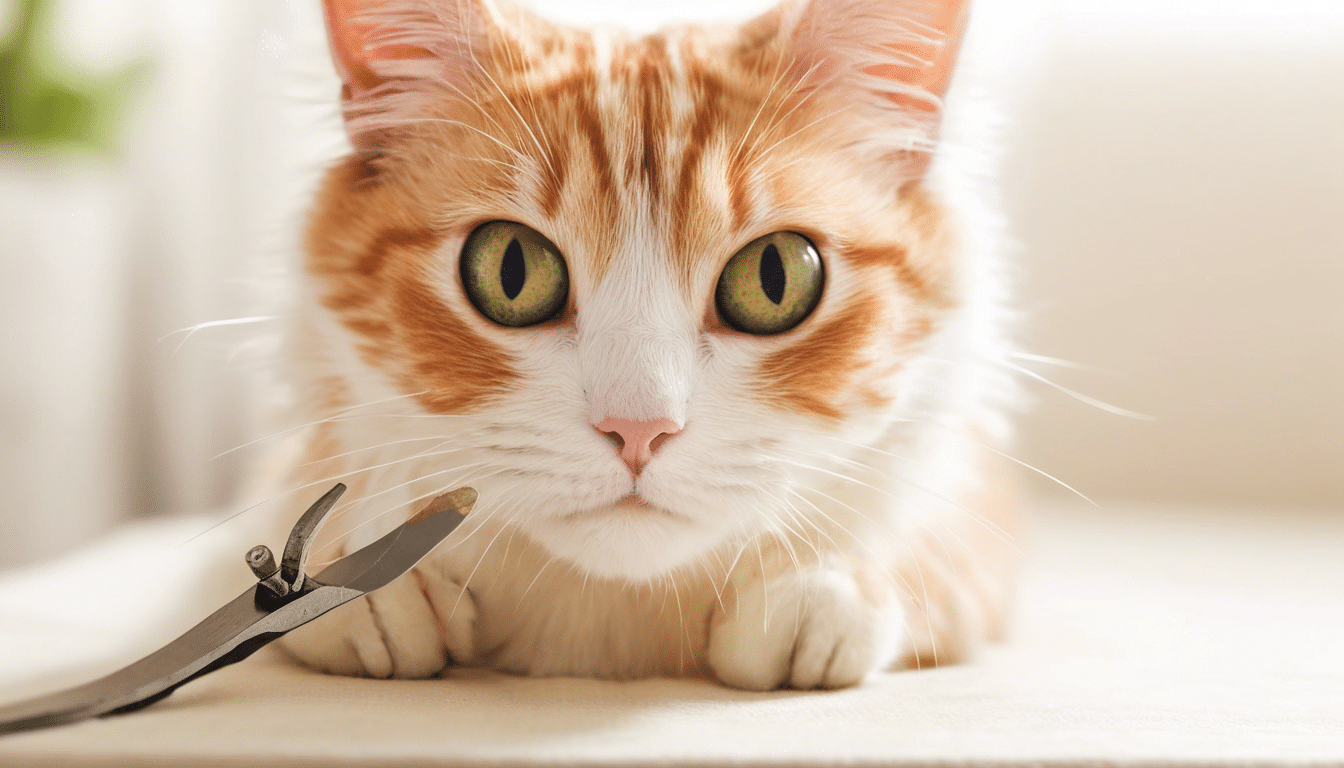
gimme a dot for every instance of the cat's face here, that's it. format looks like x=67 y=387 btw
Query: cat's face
x=599 y=188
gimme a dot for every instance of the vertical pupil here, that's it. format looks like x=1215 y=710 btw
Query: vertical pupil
x=513 y=270
x=772 y=274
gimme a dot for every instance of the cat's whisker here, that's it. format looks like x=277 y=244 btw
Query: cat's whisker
x=889 y=570
x=928 y=619
x=765 y=592
x=785 y=542
x=778 y=121
x=891 y=573
x=797 y=514
x=493 y=161
x=858 y=465
x=875 y=449
x=662 y=607
x=489 y=512
x=320 y=481
x=814 y=524
x=489 y=115
x=466 y=583
x=344 y=509
x=728 y=574
x=338 y=416
x=681 y=626
x=533 y=583
x=871 y=469
x=858 y=539
x=1080 y=397
x=776 y=79
x=802 y=610
x=713 y=583
x=485 y=71
x=457 y=123
x=779 y=521
x=774 y=118
x=986 y=524
x=475 y=518
x=192 y=329
x=324 y=459
x=860 y=542
x=1013 y=459
x=531 y=103
x=1056 y=361
x=508 y=547
x=797 y=131
x=427 y=453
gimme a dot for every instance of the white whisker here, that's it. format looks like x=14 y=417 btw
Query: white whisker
x=986 y=524
x=1056 y=361
x=443 y=438
x=1080 y=397
x=336 y=417
x=336 y=477
x=192 y=329
x=1015 y=460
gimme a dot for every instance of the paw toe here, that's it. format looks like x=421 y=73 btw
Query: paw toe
x=807 y=630
x=408 y=629
x=455 y=615
x=752 y=647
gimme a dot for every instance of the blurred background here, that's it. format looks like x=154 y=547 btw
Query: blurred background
x=1174 y=173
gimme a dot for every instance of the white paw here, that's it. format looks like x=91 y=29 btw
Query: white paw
x=412 y=628
x=808 y=629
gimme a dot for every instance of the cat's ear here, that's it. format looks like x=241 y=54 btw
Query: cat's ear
x=387 y=50
x=895 y=55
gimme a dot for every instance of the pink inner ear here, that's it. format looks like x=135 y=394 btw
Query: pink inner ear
x=350 y=48
x=949 y=19
x=894 y=55
x=900 y=51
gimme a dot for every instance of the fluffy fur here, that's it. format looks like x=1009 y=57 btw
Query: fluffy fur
x=823 y=513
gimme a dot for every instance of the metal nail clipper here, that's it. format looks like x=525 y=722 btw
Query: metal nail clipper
x=284 y=598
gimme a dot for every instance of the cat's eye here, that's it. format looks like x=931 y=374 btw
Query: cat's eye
x=513 y=274
x=771 y=285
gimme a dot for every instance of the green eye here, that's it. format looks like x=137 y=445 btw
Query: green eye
x=513 y=275
x=771 y=285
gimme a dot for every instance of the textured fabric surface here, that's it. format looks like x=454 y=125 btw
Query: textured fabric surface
x=1150 y=636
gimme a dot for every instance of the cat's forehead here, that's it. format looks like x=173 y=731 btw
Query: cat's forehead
x=671 y=147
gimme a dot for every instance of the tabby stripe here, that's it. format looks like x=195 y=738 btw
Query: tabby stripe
x=809 y=375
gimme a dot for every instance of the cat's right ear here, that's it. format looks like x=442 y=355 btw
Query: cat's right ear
x=895 y=57
x=388 y=51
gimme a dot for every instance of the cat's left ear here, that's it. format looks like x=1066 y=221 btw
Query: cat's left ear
x=383 y=48
x=895 y=55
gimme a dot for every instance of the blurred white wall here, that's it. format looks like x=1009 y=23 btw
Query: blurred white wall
x=1178 y=184
x=105 y=256
x=1175 y=173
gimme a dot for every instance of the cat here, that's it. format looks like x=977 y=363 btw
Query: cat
x=707 y=318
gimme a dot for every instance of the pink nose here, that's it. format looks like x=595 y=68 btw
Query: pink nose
x=638 y=439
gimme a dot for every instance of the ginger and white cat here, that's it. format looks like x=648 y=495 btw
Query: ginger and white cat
x=705 y=316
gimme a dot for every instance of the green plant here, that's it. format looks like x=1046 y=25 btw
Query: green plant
x=45 y=105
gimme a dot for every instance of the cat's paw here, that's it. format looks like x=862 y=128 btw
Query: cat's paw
x=819 y=628
x=412 y=628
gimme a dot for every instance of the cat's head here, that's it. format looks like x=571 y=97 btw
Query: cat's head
x=650 y=280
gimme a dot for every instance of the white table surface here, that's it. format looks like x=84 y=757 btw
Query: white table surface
x=1147 y=635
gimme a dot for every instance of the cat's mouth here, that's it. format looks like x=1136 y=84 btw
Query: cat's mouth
x=631 y=504
x=631 y=538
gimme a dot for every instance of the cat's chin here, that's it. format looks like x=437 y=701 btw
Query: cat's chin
x=630 y=539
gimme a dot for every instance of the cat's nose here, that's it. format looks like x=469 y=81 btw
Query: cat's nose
x=638 y=440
